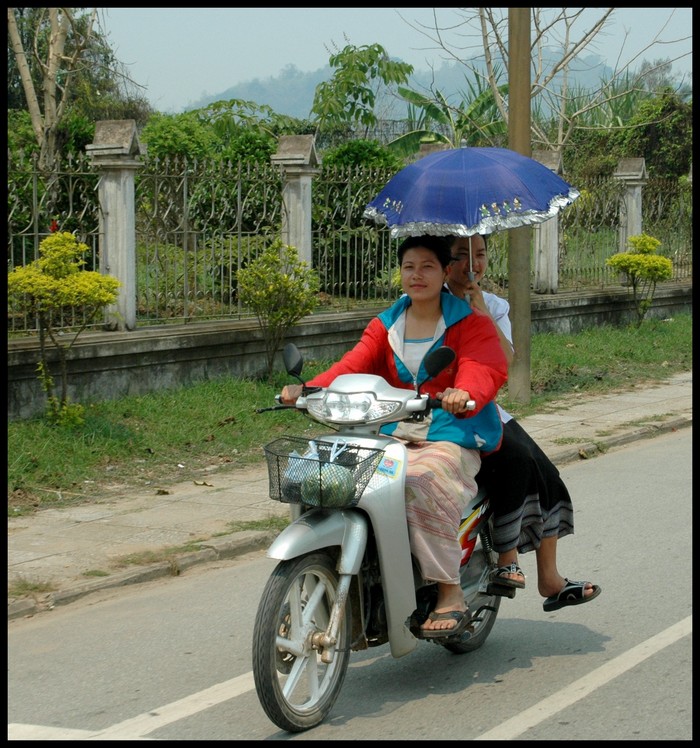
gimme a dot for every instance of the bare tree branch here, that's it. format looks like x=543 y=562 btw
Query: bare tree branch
x=553 y=28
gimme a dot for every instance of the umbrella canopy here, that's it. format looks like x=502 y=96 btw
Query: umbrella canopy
x=467 y=191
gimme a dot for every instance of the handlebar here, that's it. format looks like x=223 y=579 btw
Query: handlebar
x=434 y=402
x=279 y=406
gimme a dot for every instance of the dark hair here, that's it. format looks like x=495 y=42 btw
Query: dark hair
x=453 y=238
x=436 y=244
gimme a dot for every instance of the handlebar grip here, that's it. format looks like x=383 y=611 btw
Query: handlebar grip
x=435 y=403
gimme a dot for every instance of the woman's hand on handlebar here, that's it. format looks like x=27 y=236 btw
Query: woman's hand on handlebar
x=455 y=401
x=290 y=394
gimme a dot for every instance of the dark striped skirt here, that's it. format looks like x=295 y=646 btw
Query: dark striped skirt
x=528 y=497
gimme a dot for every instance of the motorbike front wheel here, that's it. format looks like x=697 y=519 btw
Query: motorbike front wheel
x=296 y=688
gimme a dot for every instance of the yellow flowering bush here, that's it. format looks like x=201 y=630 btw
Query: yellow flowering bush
x=643 y=244
x=51 y=288
x=643 y=269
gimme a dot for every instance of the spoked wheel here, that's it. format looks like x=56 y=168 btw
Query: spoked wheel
x=474 y=577
x=298 y=676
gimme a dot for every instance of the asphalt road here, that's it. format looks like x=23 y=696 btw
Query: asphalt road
x=170 y=660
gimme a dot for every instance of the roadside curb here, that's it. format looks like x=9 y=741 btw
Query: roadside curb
x=239 y=543
x=592 y=449
x=215 y=549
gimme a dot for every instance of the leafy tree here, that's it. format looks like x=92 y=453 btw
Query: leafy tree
x=50 y=288
x=366 y=153
x=250 y=145
x=228 y=117
x=590 y=154
x=281 y=289
x=62 y=71
x=54 y=72
x=658 y=76
x=20 y=135
x=661 y=132
x=643 y=269
x=232 y=130
x=179 y=135
x=350 y=97
x=245 y=131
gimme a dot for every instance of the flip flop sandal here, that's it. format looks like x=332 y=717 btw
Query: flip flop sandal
x=498 y=577
x=463 y=618
x=572 y=593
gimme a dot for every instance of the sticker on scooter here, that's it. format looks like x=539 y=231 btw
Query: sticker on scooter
x=389 y=467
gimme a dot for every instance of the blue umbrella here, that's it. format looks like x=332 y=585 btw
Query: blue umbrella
x=467 y=191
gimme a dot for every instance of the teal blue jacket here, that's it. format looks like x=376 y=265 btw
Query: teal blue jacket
x=479 y=367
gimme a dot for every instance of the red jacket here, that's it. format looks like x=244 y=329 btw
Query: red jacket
x=480 y=368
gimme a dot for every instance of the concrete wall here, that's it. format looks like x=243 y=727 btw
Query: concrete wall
x=106 y=365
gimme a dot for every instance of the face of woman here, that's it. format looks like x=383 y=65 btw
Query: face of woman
x=459 y=269
x=422 y=275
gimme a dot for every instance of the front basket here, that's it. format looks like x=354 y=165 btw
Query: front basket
x=335 y=476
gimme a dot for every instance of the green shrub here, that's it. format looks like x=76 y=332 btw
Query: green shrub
x=280 y=289
x=643 y=244
x=369 y=154
x=643 y=270
x=50 y=288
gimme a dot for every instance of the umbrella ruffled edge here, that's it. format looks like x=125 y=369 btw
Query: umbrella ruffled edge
x=487 y=225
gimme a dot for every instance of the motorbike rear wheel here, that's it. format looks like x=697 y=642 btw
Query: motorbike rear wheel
x=296 y=688
x=473 y=578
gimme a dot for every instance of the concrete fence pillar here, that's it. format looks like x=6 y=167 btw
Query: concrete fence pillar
x=115 y=153
x=546 y=235
x=296 y=155
x=633 y=172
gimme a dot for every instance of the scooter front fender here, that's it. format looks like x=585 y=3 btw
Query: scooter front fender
x=320 y=528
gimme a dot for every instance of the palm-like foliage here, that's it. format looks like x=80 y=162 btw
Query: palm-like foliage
x=475 y=120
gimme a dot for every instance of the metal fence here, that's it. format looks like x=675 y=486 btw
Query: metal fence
x=198 y=223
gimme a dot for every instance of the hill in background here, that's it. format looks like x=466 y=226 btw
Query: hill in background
x=292 y=91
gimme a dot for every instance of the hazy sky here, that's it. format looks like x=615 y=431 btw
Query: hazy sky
x=183 y=54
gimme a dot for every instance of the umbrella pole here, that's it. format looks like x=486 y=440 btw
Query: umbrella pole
x=471 y=270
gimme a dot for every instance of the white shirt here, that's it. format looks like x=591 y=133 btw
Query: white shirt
x=410 y=351
x=498 y=309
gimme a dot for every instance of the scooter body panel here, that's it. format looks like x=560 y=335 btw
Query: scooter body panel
x=385 y=504
x=318 y=529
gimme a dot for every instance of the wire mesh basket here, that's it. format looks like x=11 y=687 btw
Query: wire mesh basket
x=319 y=473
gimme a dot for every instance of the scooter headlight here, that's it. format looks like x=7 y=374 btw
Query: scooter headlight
x=360 y=407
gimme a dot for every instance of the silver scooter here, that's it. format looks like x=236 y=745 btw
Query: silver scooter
x=346 y=579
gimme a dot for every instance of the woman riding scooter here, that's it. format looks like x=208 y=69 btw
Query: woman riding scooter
x=444 y=452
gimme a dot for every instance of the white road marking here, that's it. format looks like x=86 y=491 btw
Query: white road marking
x=38 y=732
x=137 y=727
x=516 y=726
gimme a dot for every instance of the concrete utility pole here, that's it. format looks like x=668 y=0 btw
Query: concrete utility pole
x=519 y=239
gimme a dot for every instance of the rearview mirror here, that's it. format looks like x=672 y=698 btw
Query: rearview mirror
x=436 y=361
x=293 y=360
